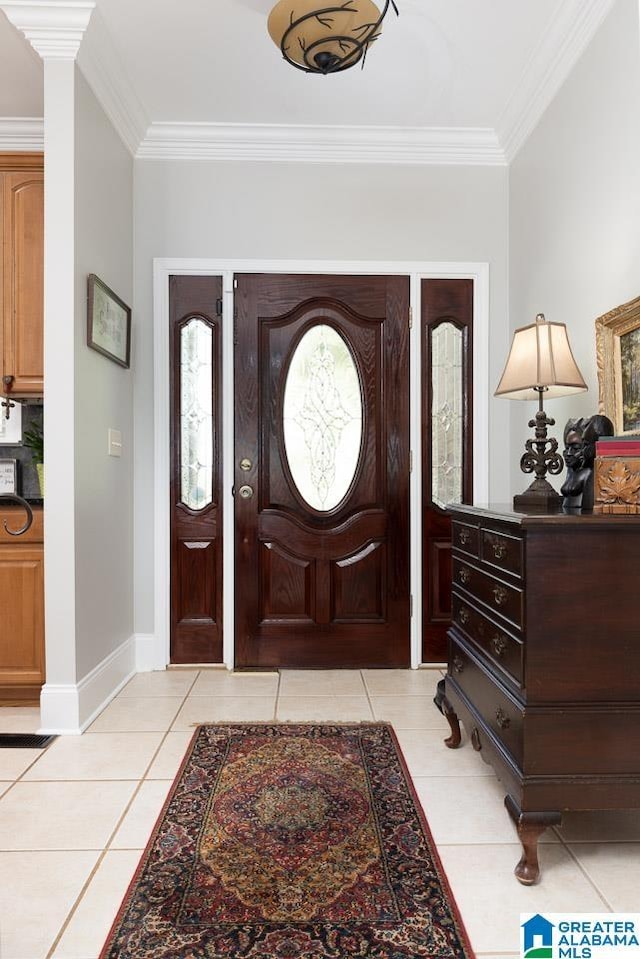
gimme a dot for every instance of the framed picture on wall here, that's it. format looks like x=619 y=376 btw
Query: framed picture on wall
x=108 y=322
x=618 y=352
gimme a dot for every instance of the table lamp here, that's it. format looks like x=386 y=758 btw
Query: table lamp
x=540 y=362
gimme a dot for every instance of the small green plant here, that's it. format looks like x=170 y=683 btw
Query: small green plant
x=33 y=439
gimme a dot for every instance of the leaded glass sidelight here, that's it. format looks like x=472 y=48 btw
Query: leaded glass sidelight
x=447 y=414
x=196 y=414
x=322 y=411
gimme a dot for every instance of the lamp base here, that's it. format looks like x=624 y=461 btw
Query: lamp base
x=539 y=497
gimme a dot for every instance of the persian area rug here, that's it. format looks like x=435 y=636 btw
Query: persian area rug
x=290 y=842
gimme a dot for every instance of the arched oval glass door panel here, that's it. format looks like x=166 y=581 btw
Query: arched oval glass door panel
x=322 y=413
x=447 y=415
x=196 y=414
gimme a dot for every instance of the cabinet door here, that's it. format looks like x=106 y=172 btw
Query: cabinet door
x=21 y=615
x=23 y=282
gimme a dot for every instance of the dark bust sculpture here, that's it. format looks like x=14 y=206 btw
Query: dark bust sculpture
x=580 y=438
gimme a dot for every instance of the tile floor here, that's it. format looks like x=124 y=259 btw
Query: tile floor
x=75 y=817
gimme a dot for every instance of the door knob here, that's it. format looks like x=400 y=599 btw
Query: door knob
x=245 y=465
x=246 y=492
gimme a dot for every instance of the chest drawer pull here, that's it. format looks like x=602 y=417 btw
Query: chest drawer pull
x=465 y=575
x=502 y=719
x=464 y=615
x=464 y=537
x=475 y=739
x=499 y=550
x=500 y=595
x=498 y=644
x=458 y=664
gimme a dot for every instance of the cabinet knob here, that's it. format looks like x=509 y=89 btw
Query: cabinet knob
x=7 y=382
x=458 y=664
x=500 y=595
x=502 y=719
x=463 y=615
x=464 y=575
x=498 y=644
x=464 y=537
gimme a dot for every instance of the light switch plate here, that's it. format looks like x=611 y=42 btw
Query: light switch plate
x=115 y=442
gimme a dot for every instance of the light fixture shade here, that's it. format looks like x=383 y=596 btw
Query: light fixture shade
x=540 y=357
x=319 y=37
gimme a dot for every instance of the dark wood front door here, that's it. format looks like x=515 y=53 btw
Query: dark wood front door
x=195 y=308
x=322 y=471
x=447 y=444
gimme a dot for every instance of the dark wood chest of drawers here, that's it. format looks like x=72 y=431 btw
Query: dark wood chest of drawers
x=544 y=661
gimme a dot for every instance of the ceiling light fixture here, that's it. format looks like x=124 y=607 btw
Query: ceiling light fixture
x=318 y=38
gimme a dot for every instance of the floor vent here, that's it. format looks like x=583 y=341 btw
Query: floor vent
x=24 y=741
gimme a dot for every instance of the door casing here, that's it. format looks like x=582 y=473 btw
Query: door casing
x=154 y=650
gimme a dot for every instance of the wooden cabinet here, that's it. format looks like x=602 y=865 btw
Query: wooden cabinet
x=22 y=274
x=22 y=666
x=544 y=658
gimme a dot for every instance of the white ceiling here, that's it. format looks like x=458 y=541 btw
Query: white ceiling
x=441 y=63
x=458 y=80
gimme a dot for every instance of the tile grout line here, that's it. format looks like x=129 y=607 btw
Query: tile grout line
x=94 y=779
x=368 y=695
x=277 y=699
x=25 y=771
x=584 y=872
x=107 y=846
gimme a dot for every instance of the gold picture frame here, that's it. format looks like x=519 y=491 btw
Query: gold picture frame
x=618 y=355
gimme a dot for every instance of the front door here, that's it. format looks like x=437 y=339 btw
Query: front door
x=322 y=471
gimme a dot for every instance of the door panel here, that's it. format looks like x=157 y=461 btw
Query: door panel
x=447 y=444
x=322 y=572
x=196 y=489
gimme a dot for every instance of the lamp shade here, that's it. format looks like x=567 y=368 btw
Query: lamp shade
x=321 y=37
x=540 y=359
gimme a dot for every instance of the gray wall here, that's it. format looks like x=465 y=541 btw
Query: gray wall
x=575 y=208
x=307 y=211
x=104 y=391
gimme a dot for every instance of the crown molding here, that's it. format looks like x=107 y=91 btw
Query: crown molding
x=21 y=134
x=321 y=144
x=558 y=50
x=53 y=28
x=102 y=67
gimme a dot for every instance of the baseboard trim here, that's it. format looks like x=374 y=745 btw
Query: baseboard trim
x=68 y=709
